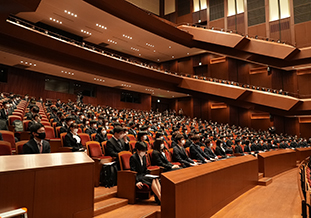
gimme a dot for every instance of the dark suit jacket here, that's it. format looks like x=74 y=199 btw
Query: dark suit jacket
x=208 y=151
x=3 y=115
x=159 y=160
x=137 y=167
x=220 y=152
x=99 y=137
x=238 y=149
x=70 y=141
x=179 y=155
x=247 y=148
x=64 y=129
x=197 y=153
x=133 y=132
x=113 y=147
x=1 y=138
x=31 y=147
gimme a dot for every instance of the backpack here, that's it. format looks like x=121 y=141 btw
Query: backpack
x=108 y=175
x=18 y=126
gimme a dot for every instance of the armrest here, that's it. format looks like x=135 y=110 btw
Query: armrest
x=127 y=185
x=156 y=171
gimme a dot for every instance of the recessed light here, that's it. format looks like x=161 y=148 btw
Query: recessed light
x=172 y=56
x=169 y=47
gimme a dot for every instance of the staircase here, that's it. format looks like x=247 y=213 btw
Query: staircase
x=107 y=202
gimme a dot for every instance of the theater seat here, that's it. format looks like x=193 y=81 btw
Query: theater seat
x=19 y=146
x=49 y=132
x=127 y=180
x=9 y=137
x=5 y=148
x=84 y=138
x=95 y=152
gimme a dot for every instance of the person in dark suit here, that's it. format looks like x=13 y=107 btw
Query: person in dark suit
x=132 y=130
x=220 y=151
x=1 y=138
x=101 y=135
x=159 y=158
x=195 y=150
x=93 y=128
x=4 y=112
x=37 y=144
x=247 y=147
x=116 y=144
x=179 y=153
x=72 y=139
x=138 y=164
x=68 y=122
x=209 y=151
x=238 y=149
x=34 y=110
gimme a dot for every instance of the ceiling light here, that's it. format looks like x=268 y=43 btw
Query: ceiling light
x=172 y=56
x=169 y=47
x=188 y=53
x=70 y=13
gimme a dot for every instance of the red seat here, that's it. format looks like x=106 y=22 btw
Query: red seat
x=26 y=124
x=109 y=136
x=45 y=123
x=95 y=151
x=9 y=137
x=19 y=146
x=124 y=158
x=11 y=119
x=5 y=148
x=84 y=138
x=168 y=156
x=93 y=136
x=131 y=137
x=49 y=132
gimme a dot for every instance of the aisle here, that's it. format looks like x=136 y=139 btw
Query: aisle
x=279 y=199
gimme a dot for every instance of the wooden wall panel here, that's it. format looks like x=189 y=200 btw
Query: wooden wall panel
x=219 y=70
x=303 y=83
x=305 y=130
x=303 y=34
x=187 y=106
x=185 y=66
x=221 y=115
x=218 y=24
x=259 y=30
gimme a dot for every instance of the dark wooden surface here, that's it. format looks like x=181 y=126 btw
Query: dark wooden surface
x=274 y=162
x=49 y=185
x=203 y=190
x=302 y=153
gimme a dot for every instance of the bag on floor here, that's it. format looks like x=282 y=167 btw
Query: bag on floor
x=108 y=175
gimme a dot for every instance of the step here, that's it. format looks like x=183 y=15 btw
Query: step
x=109 y=205
x=105 y=196
x=260 y=176
x=265 y=181
x=154 y=214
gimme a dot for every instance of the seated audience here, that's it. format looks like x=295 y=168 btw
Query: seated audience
x=238 y=149
x=68 y=122
x=159 y=158
x=101 y=135
x=220 y=150
x=208 y=150
x=72 y=139
x=37 y=144
x=179 y=153
x=138 y=164
x=196 y=152
x=116 y=144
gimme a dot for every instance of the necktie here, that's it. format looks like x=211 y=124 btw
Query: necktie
x=40 y=147
x=120 y=144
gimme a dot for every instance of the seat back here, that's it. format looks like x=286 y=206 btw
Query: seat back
x=62 y=138
x=45 y=123
x=58 y=131
x=132 y=146
x=93 y=136
x=49 y=132
x=94 y=149
x=104 y=143
x=19 y=146
x=9 y=137
x=26 y=124
x=168 y=156
x=109 y=136
x=131 y=137
x=84 y=138
x=124 y=158
x=11 y=118
x=5 y=148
